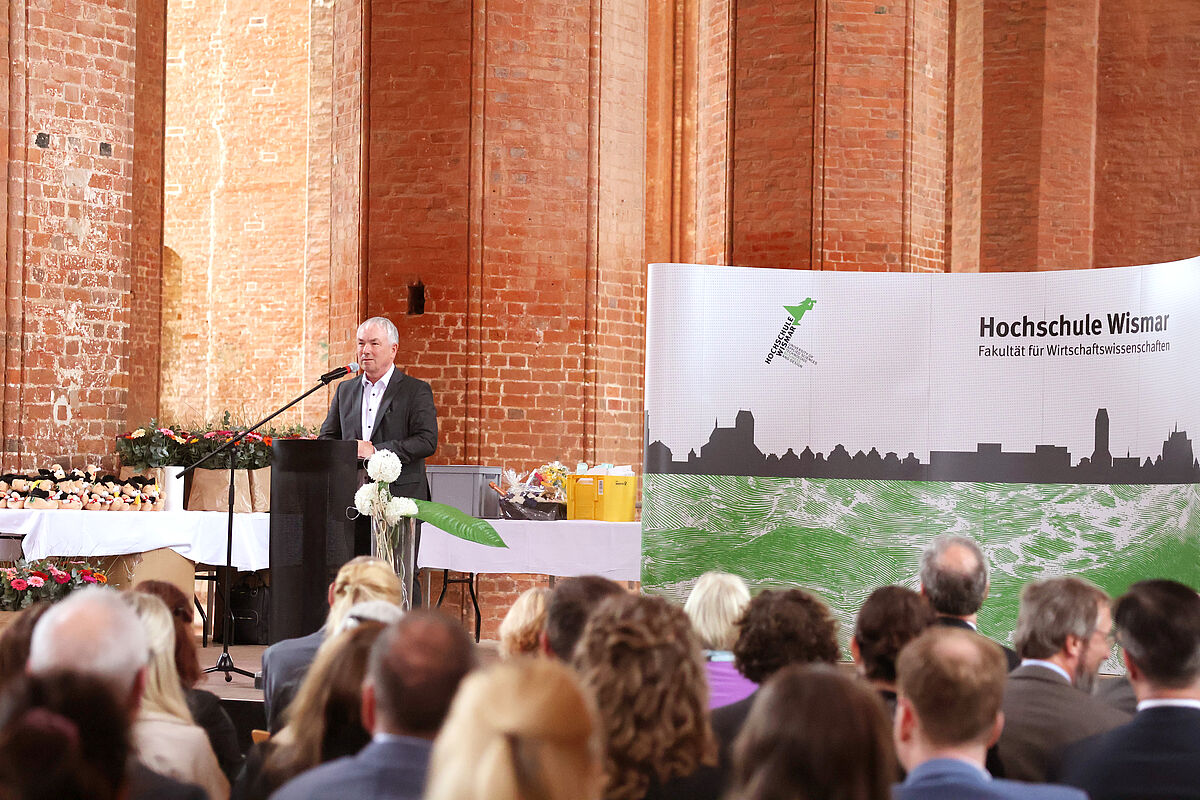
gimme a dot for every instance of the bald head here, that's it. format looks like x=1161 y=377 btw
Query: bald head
x=954 y=576
x=91 y=632
x=415 y=668
x=954 y=680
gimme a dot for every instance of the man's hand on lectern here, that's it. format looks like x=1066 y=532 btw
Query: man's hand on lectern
x=365 y=449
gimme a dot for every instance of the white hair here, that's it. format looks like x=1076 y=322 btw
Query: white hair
x=393 y=335
x=369 y=611
x=94 y=632
x=714 y=607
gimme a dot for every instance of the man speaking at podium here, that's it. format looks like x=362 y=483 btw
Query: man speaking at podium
x=385 y=410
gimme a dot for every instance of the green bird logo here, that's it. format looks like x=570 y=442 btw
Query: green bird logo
x=797 y=312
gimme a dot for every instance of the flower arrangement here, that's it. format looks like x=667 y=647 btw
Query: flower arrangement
x=375 y=499
x=151 y=446
x=26 y=583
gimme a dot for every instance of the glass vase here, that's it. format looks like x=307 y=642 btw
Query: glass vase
x=394 y=543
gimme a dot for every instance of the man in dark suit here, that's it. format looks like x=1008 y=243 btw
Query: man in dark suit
x=954 y=578
x=1158 y=753
x=386 y=409
x=414 y=670
x=1062 y=636
x=949 y=688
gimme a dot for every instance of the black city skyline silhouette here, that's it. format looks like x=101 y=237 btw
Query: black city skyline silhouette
x=731 y=451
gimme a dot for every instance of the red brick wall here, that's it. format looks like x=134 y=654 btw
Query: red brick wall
x=68 y=293
x=964 y=167
x=1147 y=170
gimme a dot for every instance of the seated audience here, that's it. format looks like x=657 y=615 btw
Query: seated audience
x=1157 y=754
x=567 y=612
x=641 y=660
x=204 y=706
x=778 y=628
x=950 y=685
x=284 y=663
x=14 y=642
x=521 y=630
x=165 y=736
x=891 y=617
x=62 y=736
x=323 y=723
x=414 y=671
x=781 y=754
x=714 y=607
x=380 y=611
x=519 y=730
x=954 y=578
x=1062 y=637
x=94 y=632
x=1118 y=693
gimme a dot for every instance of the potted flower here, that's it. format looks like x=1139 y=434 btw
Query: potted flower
x=391 y=540
x=29 y=582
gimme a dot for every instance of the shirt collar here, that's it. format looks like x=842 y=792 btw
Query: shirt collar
x=1172 y=702
x=387 y=377
x=1050 y=665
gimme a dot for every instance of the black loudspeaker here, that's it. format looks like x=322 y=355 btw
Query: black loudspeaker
x=312 y=487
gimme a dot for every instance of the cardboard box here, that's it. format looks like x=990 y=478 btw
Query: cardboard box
x=607 y=497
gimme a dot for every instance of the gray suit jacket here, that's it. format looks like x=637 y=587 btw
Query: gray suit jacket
x=948 y=779
x=391 y=770
x=1042 y=715
x=284 y=665
x=406 y=424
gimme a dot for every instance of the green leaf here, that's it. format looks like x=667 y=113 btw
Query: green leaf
x=456 y=523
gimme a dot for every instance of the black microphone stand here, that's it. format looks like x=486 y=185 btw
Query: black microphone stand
x=225 y=661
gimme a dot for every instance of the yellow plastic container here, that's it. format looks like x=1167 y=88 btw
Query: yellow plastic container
x=608 y=497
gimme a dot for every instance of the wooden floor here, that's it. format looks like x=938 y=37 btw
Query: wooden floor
x=247 y=657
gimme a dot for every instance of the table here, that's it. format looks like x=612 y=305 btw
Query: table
x=565 y=548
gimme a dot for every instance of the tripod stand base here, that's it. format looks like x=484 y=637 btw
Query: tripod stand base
x=225 y=664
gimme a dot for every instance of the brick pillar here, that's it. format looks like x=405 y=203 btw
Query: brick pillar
x=506 y=179
x=1147 y=173
x=69 y=268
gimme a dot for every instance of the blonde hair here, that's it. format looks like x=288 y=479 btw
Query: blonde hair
x=714 y=607
x=359 y=580
x=642 y=661
x=523 y=729
x=163 y=691
x=325 y=713
x=521 y=630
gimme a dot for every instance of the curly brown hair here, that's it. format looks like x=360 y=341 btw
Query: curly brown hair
x=782 y=627
x=642 y=661
x=889 y=619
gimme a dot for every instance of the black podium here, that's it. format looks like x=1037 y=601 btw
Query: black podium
x=312 y=486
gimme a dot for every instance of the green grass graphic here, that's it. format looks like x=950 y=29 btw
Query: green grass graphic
x=843 y=538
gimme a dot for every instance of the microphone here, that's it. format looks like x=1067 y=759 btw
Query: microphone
x=334 y=374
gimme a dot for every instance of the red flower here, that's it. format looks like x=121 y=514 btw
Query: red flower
x=61 y=577
x=20 y=585
x=88 y=578
x=41 y=575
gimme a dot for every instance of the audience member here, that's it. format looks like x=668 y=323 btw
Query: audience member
x=164 y=734
x=891 y=617
x=955 y=579
x=520 y=730
x=380 y=611
x=94 y=632
x=204 y=706
x=414 y=671
x=950 y=685
x=1062 y=637
x=714 y=607
x=781 y=754
x=1157 y=754
x=323 y=723
x=567 y=612
x=14 y=642
x=285 y=662
x=778 y=628
x=641 y=660
x=62 y=736
x=521 y=630
x=1118 y=693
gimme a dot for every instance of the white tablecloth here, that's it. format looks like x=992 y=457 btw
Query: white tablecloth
x=196 y=535
x=565 y=548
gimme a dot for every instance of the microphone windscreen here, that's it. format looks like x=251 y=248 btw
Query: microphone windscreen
x=352 y=367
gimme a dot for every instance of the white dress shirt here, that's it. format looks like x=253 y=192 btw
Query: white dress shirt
x=372 y=397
